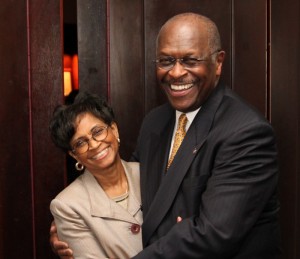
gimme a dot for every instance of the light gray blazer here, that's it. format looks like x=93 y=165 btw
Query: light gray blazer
x=95 y=226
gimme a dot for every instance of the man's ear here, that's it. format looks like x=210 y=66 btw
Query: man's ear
x=219 y=62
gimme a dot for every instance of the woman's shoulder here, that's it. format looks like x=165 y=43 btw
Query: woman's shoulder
x=131 y=167
x=73 y=190
x=135 y=166
x=132 y=170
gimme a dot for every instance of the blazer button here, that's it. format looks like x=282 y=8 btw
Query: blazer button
x=135 y=228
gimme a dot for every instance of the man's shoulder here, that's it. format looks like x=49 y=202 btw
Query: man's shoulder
x=238 y=105
x=159 y=116
x=161 y=110
x=235 y=113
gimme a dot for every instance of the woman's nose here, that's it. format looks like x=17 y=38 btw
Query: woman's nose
x=94 y=143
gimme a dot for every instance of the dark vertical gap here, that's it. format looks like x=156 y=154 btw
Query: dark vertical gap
x=70 y=27
x=232 y=45
x=268 y=56
x=70 y=48
x=70 y=38
x=144 y=53
x=30 y=131
x=108 y=49
x=297 y=227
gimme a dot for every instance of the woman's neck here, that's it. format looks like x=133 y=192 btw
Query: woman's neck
x=113 y=181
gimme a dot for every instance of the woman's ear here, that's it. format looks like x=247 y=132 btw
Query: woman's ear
x=72 y=154
x=115 y=130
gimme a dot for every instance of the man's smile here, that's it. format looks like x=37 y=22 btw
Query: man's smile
x=180 y=87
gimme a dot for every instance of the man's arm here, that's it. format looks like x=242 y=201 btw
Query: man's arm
x=59 y=247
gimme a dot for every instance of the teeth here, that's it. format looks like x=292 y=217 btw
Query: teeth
x=181 y=87
x=100 y=154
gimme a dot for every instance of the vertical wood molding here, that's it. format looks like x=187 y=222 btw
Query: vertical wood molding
x=250 y=36
x=285 y=116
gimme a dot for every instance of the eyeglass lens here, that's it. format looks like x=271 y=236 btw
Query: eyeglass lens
x=168 y=63
x=98 y=134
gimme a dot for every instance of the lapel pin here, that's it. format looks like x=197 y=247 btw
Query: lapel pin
x=194 y=151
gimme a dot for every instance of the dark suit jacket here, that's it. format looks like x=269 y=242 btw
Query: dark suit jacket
x=222 y=182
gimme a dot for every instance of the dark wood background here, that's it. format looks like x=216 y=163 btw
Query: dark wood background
x=116 y=44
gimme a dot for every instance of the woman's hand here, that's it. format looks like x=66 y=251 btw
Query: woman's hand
x=59 y=247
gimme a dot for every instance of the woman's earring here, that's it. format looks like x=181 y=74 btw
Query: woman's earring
x=119 y=140
x=79 y=166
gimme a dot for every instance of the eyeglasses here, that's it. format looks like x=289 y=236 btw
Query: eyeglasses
x=167 y=63
x=81 y=145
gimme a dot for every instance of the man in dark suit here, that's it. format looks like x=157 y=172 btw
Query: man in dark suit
x=223 y=179
x=217 y=197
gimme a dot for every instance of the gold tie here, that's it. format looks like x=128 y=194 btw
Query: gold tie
x=179 y=136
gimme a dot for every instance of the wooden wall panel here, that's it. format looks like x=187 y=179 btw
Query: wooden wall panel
x=93 y=54
x=32 y=170
x=157 y=12
x=285 y=116
x=46 y=90
x=92 y=45
x=250 y=52
x=127 y=90
x=15 y=191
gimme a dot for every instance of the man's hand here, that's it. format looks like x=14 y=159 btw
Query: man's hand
x=59 y=247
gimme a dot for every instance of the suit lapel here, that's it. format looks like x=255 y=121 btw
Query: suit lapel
x=153 y=173
x=189 y=148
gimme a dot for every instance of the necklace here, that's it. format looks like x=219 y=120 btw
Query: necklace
x=122 y=199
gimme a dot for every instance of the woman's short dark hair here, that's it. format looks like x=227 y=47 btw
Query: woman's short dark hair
x=63 y=123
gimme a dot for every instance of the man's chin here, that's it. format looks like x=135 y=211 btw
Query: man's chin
x=179 y=105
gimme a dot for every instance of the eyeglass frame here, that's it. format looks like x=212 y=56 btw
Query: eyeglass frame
x=181 y=61
x=87 y=140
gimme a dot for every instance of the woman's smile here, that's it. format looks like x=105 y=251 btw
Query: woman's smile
x=101 y=155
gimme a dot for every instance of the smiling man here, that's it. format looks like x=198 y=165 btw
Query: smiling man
x=222 y=181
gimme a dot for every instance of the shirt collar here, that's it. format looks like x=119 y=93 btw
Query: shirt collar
x=190 y=116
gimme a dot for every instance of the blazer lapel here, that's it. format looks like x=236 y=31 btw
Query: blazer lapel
x=103 y=207
x=189 y=148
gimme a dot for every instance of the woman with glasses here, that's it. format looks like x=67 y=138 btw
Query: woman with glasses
x=99 y=214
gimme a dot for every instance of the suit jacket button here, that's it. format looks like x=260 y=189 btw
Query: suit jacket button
x=135 y=228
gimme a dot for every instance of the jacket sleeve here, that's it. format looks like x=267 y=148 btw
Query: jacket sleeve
x=243 y=180
x=72 y=229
